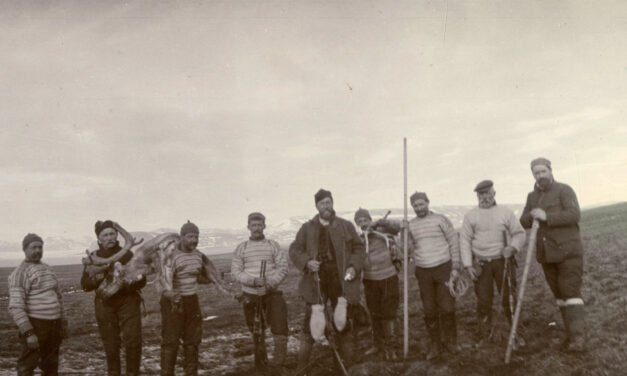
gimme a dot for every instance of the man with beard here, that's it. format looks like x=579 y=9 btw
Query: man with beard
x=262 y=291
x=36 y=305
x=558 y=245
x=180 y=311
x=383 y=261
x=120 y=314
x=330 y=254
x=490 y=234
x=435 y=248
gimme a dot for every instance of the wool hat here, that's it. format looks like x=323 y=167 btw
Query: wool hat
x=29 y=238
x=362 y=213
x=417 y=196
x=321 y=195
x=256 y=216
x=189 y=227
x=484 y=186
x=101 y=225
x=541 y=161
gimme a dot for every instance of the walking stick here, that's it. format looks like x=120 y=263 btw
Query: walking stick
x=405 y=256
x=259 y=332
x=521 y=293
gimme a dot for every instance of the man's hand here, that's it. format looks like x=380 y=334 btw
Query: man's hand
x=32 y=342
x=259 y=282
x=472 y=272
x=313 y=265
x=454 y=275
x=508 y=251
x=538 y=214
x=350 y=274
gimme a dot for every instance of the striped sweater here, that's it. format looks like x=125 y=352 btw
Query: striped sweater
x=246 y=264
x=186 y=267
x=34 y=292
x=378 y=257
x=483 y=231
x=434 y=241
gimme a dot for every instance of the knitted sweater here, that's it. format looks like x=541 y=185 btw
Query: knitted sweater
x=34 y=292
x=485 y=232
x=378 y=264
x=186 y=267
x=434 y=241
x=246 y=264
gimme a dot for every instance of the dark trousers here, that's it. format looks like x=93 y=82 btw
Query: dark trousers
x=274 y=311
x=48 y=334
x=491 y=274
x=382 y=298
x=436 y=298
x=121 y=316
x=182 y=322
x=564 y=278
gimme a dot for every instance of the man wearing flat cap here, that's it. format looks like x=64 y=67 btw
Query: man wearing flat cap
x=434 y=245
x=260 y=286
x=181 y=318
x=36 y=305
x=330 y=254
x=490 y=234
x=118 y=315
x=558 y=246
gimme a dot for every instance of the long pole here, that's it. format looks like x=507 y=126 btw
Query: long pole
x=521 y=293
x=405 y=257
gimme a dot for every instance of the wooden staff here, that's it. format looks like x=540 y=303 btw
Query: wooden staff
x=405 y=257
x=521 y=293
x=259 y=338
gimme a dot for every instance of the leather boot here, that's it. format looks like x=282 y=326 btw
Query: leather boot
x=388 y=341
x=433 y=328
x=377 y=338
x=304 y=353
x=576 y=328
x=449 y=331
x=168 y=360
x=191 y=360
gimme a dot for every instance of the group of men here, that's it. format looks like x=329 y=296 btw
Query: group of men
x=334 y=261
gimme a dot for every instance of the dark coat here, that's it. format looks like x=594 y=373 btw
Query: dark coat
x=349 y=251
x=558 y=237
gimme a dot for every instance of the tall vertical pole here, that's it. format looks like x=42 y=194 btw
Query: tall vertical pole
x=405 y=257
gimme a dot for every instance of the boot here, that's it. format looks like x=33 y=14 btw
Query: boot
x=261 y=356
x=168 y=360
x=191 y=360
x=133 y=359
x=304 y=352
x=449 y=331
x=280 y=350
x=377 y=338
x=576 y=328
x=485 y=328
x=388 y=341
x=433 y=328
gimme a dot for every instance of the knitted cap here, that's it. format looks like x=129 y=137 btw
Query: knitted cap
x=541 y=161
x=362 y=213
x=322 y=194
x=29 y=238
x=101 y=225
x=256 y=216
x=417 y=196
x=189 y=227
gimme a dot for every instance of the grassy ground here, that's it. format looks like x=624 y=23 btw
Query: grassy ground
x=226 y=347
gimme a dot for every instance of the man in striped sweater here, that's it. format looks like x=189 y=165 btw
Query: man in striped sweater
x=263 y=290
x=380 y=281
x=180 y=311
x=434 y=245
x=36 y=305
x=490 y=234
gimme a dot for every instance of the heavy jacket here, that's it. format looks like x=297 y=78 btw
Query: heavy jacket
x=558 y=237
x=349 y=251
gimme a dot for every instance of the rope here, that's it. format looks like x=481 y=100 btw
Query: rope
x=457 y=287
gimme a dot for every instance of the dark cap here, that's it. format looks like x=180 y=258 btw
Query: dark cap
x=101 y=225
x=483 y=186
x=29 y=238
x=189 y=227
x=541 y=161
x=256 y=216
x=322 y=194
x=362 y=213
x=418 y=196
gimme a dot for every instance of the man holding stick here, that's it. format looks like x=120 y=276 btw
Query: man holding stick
x=558 y=246
x=260 y=266
x=490 y=235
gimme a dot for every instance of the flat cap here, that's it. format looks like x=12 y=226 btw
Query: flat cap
x=256 y=216
x=418 y=196
x=483 y=186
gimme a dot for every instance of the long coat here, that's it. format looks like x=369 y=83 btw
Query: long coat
x=349 y=251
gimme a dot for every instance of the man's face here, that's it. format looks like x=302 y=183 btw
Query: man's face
x=34 y=251
x=189 y=241
x=421 y=207
x=543 y=175
x=108 y=238
x=325 y=208
x=256 y=227
x=363 y=222
x=486 y=198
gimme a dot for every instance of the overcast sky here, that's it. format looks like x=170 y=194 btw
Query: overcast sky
x=153 y=113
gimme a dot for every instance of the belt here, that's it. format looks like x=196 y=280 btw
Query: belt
x=488 y=258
